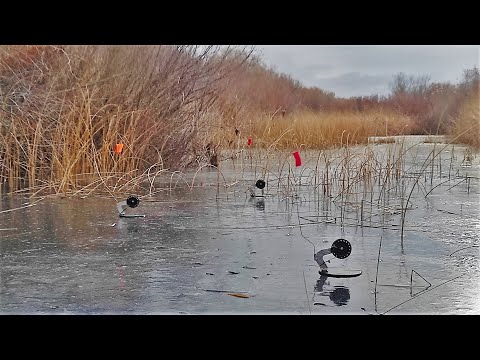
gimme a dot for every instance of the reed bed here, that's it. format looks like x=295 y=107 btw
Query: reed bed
x=317 y=130
x=466 y=128
x=64 y=108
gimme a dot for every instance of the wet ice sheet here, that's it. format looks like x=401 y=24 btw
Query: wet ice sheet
x=65 y=255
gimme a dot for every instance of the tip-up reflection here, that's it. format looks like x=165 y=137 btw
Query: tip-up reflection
x=339 y=295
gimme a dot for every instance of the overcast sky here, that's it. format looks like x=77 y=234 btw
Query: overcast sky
x=366 y=70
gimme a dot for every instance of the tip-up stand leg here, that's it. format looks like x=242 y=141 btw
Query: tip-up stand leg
x=132 y=201
x=319 y=258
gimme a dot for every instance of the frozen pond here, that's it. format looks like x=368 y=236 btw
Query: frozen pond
x=196 y=246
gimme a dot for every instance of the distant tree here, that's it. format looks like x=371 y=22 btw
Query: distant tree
x=399 y=84
x=409 y=84
x=471 y=78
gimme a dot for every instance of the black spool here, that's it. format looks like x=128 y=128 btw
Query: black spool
x=133 y=201
x=341 y=248
x=260 y=184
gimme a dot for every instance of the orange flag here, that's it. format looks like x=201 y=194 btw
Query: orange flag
x=118 y=148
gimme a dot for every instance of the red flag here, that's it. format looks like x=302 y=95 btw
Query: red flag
x=249 y=141
x=298 y=160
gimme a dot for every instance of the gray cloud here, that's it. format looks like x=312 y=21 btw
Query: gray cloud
x=355 y=84
x=364 y=70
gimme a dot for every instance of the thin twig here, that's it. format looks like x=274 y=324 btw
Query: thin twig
x=376 y=275
x=421 y=293
x=306 y=292
x=464 y=248
x=301 y=233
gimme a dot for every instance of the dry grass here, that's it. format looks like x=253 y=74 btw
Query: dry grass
x=63 y=109
x=320 y=130
x=467 y=126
